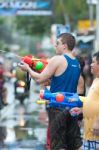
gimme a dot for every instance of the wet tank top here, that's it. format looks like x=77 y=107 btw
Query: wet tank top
x=68 y=80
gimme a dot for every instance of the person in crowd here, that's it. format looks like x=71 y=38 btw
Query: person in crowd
x=87 y=73
x=81 y=88
x=91 y=109
x=3 y=89
x=64 y=72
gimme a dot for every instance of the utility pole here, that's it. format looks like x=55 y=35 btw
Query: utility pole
x=97 y=27
x=95 y=2
x=91 y=15
x=66 y=19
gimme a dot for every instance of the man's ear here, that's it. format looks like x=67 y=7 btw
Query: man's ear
x=64 y=46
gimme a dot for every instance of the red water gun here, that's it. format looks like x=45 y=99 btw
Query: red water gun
x=36 y=64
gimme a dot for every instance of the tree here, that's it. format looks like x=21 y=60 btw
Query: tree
x=33 y=24
x=63 y=11
x=73 y=10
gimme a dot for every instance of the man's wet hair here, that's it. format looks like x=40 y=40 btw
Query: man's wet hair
x=69 y=39
x=97 y=56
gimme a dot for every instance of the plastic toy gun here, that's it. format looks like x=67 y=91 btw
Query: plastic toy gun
x=36 y=64
x=60 y=99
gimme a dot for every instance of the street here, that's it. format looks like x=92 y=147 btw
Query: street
x=20 y=125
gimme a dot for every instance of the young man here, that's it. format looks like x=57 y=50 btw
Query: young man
x=64 y=71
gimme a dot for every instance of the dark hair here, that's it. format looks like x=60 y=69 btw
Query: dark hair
x=97 y=56
x=69 y=39
x=81 y=61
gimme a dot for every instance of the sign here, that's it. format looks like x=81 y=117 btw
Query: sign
x=30 y=7
x=92 y=1
x=57 y=29
x=62 y=29
x=85 y=24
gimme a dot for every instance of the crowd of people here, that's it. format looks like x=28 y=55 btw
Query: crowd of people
x=66 y=72
x=3 y=89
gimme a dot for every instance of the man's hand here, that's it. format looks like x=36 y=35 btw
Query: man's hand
x=46 y=83
x=95 y=129
x=75 y=111
x=23 y=66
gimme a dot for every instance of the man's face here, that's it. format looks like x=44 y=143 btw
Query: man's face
x=95 y=67
x=59 y=47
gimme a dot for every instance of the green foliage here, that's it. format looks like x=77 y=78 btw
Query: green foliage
x=63 y=11
x=1 y=44
x=33 y=24
x=7 y=49
x=70 y=10
x=22 y=52
x=2 y=20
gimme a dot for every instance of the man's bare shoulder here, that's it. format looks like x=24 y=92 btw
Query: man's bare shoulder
x=57 y=58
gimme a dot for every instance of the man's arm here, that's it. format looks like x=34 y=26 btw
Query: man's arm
x=49 y=70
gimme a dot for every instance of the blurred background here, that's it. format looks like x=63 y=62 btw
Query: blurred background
x=31 y=27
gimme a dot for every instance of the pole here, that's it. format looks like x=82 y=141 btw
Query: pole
x=97 y=27
x=66 y=19
x=91 y=14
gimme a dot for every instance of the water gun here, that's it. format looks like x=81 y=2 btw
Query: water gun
x=36 y=64
x=61 y=99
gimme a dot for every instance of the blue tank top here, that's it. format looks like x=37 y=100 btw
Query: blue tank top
x=68 y=81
